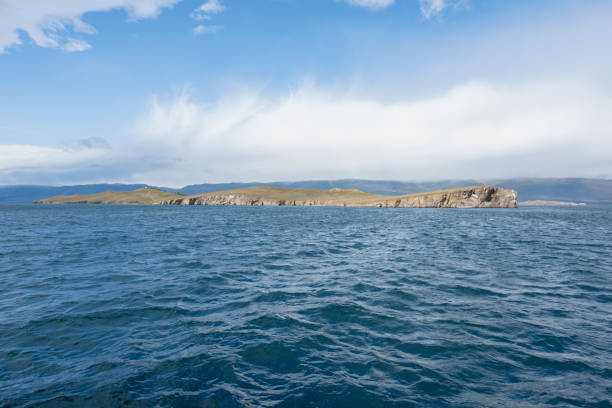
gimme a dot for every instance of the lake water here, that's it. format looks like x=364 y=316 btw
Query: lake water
x=106 y=306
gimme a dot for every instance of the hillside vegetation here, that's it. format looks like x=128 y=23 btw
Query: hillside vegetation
x=141 y=196
x=464 y=197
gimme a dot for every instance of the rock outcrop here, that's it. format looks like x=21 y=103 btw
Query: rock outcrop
x=467 y=197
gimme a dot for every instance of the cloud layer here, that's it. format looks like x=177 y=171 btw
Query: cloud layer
x=54 y=24
x=476 y=130
x=51 y=24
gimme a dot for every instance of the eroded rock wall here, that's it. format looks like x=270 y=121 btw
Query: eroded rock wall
x=471 y=197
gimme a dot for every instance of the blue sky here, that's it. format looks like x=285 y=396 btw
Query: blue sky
x=176 y=92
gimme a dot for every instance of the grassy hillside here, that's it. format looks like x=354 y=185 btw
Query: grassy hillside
x=299 y=194
x=334 y=196
x=463 y=197
x=551 y=189
x=141 y=196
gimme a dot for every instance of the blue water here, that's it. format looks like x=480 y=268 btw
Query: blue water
x=106 y=306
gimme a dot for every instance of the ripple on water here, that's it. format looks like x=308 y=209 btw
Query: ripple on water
x=304 y=307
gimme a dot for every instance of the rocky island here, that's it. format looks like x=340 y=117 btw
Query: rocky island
x=466 y=197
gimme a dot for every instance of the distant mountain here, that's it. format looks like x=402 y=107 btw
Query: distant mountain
x=566 y=189
x=548 y=189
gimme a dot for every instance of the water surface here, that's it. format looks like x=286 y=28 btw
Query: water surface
x=304 y=307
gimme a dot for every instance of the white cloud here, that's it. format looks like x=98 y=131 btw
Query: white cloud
x=372 y=4
x=204 y=13
x=435 y=8
x=207 y=29
x=15 y=156
x=74 y=45
x=476 y=130
x=429 y=8
x=50 y=23
x=473 y=130
x=211 y=7
x=38 y=164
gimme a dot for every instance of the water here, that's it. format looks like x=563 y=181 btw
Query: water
x=106 y=306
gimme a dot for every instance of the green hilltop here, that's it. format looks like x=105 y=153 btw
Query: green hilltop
x=144 y=195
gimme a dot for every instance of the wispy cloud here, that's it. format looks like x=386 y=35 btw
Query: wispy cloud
x=51 y=24
x=371 y=4
x=207 y=29
x=470 y=131
x=74 y=45
x=429 y=8
x=211 y=7
x=205 y=13
x=435 y=8
x=94 y=142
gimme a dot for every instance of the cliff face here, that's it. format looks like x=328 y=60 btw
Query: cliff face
x=468 y=197
x=471 y=197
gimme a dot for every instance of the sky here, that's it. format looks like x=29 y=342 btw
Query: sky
x=177 y=92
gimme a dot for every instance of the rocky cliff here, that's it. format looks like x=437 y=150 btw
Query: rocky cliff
x=466 y=197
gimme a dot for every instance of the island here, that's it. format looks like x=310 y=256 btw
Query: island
x=484 y=196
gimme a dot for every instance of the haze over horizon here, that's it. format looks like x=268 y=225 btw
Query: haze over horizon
x=179 y=92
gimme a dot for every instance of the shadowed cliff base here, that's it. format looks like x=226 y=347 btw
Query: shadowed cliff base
x=464 y=197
